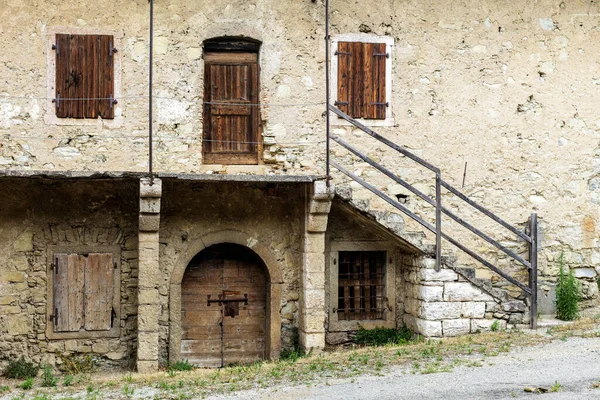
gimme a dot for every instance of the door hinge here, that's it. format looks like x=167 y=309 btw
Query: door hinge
x=341 y=103
x=342 y=53
x=112 y=101
x=55 y=48
x=54 y=317
x=111 y=50
x=56 y=101
x=380 y=104
x=386 y=55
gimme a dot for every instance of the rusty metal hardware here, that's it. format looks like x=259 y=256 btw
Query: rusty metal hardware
x=380 y=104
x=343 y=53
x=341 y=103
x=111 y=50
x=57 y=100
x=386 y=55
x=223 y=300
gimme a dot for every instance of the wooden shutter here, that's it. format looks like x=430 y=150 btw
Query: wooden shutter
x=374 y=98
x=231 y=112
x=106 y=76
x=361 y=79
x=68 y=292
x=99 y=285
x=84 y=73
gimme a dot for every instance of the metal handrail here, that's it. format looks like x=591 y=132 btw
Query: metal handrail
x=531 y=239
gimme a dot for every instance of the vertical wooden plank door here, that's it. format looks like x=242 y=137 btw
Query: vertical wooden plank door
x=231 y=108
x=229 y=271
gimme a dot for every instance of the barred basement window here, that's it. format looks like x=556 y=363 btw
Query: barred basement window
x=84 y=76
x=361 y=285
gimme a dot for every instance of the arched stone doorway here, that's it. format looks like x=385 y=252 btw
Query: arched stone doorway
x=224 y=307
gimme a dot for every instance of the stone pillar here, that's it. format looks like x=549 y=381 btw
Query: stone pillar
x=312 y=299
x=148 y=275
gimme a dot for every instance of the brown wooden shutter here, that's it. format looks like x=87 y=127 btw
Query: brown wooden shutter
x=84 y=73
x=231 y=112
x=99 y=285
x=68 y=292
x=344 y=85
x=105 y=76
x=374 y=98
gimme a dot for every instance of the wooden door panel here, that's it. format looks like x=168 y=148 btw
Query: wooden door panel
x=231 y=274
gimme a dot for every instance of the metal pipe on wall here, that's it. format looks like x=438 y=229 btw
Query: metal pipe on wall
x=327 y=84
x=151 y=51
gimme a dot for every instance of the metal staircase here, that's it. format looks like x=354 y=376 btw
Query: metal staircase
x=529 y=237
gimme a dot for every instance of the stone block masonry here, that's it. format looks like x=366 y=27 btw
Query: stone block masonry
x=148 y=275
x=312 y=300
x=443 y=303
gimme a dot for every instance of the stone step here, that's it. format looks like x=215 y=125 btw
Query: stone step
x=484 y=284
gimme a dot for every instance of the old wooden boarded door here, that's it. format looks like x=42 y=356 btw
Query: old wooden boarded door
x=217 y=333
x=231 y=108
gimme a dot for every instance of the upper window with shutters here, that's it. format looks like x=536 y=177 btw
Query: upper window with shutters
x=83 y=78
x=362 y=78
x=83 y=293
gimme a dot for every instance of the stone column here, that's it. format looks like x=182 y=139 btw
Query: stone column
x=148 y=274
x=312 y=299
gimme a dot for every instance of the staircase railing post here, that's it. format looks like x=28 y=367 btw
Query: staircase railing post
x=533 y=271
x=438 y=222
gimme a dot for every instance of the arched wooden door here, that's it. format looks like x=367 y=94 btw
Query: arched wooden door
x=223 y=307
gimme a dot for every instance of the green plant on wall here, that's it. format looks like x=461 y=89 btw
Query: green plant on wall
x=568 y=293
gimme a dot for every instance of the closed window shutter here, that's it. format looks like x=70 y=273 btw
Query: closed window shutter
x=68 y=290
x=99 y=285
x=374 y=98
x=105 y=76
x=84 y=74
x=344 y=86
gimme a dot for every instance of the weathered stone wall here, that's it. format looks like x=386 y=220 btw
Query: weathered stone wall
x=272 y=216
x=506 y=88
x=444 y=303
x=38 y=214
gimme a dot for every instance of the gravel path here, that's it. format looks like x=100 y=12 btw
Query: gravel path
x=574 y=363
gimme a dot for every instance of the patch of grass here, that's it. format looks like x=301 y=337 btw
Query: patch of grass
x=78 y=364
x=128 y=390
x=556 y=387
x=20 y=369
x=292 y=355
x=183 y=365
x=42 y=396
x=68 y=380
x=4 y=388
x=27 y=384
x=568 y=293
x=48 y=378
x=380 y=336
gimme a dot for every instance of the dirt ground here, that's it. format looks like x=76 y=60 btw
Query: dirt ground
x=558 y=362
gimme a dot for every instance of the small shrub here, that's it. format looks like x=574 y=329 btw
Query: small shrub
x=68 y=380
x=381 y=336
x=48 y=378
x=27 y=384
x=183 y=365
x=293 y=354
x=568 y=293
x=21 y=369
x=495 y=326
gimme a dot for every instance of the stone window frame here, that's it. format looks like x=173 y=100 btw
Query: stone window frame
x=115 y=331
x=364 y=38
x=389 y=320
x=50 y=117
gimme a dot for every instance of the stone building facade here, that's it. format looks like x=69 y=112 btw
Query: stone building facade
x=499 y=95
